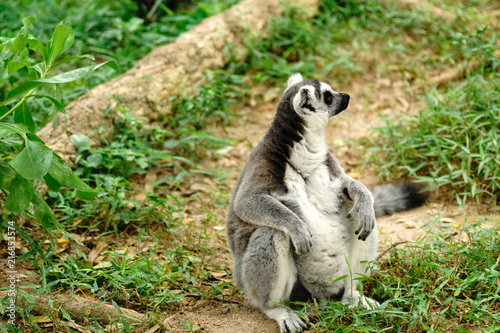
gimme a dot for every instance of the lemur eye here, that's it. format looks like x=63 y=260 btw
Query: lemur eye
x=328 y=96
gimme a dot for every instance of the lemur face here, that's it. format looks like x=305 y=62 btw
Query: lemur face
x=314 y=99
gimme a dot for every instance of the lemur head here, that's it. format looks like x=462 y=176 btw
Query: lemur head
x=314 y=100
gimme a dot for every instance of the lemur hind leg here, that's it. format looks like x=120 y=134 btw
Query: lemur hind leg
x=269 y=274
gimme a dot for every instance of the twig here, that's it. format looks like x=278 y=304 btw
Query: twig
x=222 y=300
x=393 y=245
x=451 y=235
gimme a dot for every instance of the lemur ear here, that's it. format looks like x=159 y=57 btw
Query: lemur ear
x=296 y=78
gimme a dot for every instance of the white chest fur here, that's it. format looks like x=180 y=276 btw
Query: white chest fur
x=318 y=197
x=309 y=154
x=323 y=209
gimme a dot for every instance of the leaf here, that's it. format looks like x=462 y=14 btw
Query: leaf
x=6 y=174
x=58 y=41
x=45 y=52
x=83 y=191
x=14 y=66
x=80 y=141
x=170 y=144
x=19 y=43
x=58 y=173
x=60 y=78
x=117 y=308
x=21 y=193
x=51 y=182
x=14 y=129
x=43 y=213
x=21 y=89
x=34 y=137
x=3 y=110
x=34 y=43
x=41 y=319
x=23 y=116
x=92 y=256
x=12 y=141
x=94 y=160
x=69 y=58
x=27 y=21
x=3 y=73
x=77 y=73
x=33 y=161
x=58 y=104
x=71 y=38
x=40 y=68
x=66 y=315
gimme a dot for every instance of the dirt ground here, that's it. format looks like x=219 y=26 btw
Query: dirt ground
x=234 y=315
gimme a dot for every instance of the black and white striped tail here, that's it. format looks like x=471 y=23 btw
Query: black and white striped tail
x=392 y=198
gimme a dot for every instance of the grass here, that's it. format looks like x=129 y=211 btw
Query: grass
x=339 y=43
x=435 y=284
x=160 y=231
x=453 y=141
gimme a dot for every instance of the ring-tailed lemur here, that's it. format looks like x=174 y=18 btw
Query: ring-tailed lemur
x=297 y=223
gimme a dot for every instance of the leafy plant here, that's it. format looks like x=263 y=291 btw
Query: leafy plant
x=109 y=29
x=27 y=158
x=212 y=100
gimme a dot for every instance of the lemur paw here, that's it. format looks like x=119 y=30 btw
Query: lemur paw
x=364 y=206
x=302 y=242
x=288 y=321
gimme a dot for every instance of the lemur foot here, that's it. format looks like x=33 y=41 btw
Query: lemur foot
x=288 y=320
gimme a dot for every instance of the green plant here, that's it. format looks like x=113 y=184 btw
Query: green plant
x=26 y=160
x=454 y=141
x=479 y=46
x=109 y=29
x=212 y=100
x=190 y=115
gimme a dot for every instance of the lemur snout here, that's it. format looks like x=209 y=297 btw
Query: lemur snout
x=344 y=103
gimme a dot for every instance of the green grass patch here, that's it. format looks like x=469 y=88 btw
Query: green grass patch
x=347 y=39
x=454 y=141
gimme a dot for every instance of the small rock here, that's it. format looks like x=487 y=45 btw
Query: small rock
x=225 y=310
x=409 y=225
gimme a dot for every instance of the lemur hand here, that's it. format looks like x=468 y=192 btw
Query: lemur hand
x=363 y=204
x=302 y=240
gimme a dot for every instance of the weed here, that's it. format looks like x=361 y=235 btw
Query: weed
x=454 y=141
x=25 y=158
x=212 y=100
